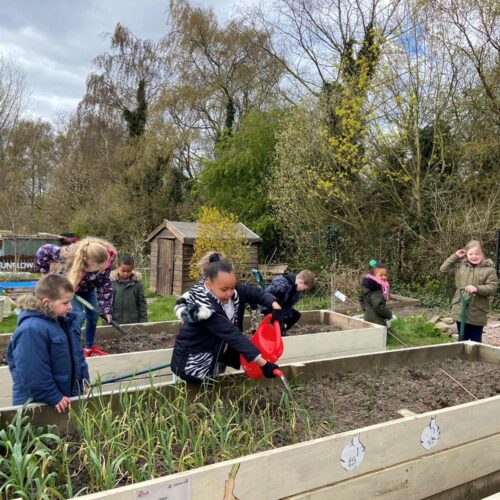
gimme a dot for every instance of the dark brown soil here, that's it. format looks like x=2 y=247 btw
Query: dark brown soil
x=342 y=402
x=143 y=341
x=308 y=329
x=137 y=341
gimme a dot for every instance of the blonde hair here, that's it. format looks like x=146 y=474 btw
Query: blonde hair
x=474 y=244
x=202 y=264
x=80 y=254
x=307 y=277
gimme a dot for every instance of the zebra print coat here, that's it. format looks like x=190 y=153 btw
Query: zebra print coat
x=200 y=344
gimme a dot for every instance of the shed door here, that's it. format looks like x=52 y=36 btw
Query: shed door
x=165 y=273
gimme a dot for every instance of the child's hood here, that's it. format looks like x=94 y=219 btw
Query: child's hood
x=31 y=306
x=135 y=276
x=485 y=263
x=290 y=277
x=370 y=285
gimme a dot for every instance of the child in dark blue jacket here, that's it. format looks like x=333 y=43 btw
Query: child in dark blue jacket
x=287 y=289
x=45 y=353
x=211 y=335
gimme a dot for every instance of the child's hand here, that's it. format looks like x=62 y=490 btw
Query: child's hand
x=63 y=404
x=471 y=289
x=461 y=253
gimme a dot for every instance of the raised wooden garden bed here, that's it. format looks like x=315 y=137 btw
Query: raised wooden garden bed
x=361 y=451
x=349 y=336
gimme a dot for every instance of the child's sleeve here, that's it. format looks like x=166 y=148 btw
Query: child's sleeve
x=221 y=327
x=450 y=264
x=33 y=363
x=489 y=288
x=254 y=295
x=84 y=365
x=104 y=289
x=142 y=304
x=44 y=256
x=277 y=288
x=379 y=306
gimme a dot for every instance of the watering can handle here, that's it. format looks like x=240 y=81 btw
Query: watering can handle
x=276 y=324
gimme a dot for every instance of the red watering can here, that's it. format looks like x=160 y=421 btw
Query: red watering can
x=268 y=341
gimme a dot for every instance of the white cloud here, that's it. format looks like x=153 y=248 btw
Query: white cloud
x=55 y=41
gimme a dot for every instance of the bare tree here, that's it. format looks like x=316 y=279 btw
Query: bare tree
x=12 y=94
x=311 y=38
x=470 y=29
x=128 y=80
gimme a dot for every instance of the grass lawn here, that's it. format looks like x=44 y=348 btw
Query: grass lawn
x=162 y=309
x=415 y=331
x=8 y=325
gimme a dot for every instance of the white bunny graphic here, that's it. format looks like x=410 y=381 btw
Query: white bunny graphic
x=430 y=435
x=352 y=455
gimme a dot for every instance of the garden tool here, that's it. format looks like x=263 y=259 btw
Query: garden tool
x=463 y=315
x=268 y=340
x=131 y=374
x=90 y=307
x=259 y=278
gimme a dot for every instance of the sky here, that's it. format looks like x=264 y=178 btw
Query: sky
x=55 y=41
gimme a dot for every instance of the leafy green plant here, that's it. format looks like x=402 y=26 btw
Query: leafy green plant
x=27 y=461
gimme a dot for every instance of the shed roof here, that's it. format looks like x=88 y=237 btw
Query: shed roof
x=10 y=235
x=187 y=232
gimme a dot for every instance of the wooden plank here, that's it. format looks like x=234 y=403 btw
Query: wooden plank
x=154 y=264
x=165 y=266
x=392 y=454
x=417 y=479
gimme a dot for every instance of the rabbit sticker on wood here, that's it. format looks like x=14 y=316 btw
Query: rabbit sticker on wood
x=353 y=454
x=430 y=435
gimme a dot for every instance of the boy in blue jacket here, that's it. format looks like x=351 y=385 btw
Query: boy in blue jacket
x=287 y=289
x=45 y=353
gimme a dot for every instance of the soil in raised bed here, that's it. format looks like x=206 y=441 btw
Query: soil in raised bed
x=143 y=341
x=138 y=340
x=341 y=402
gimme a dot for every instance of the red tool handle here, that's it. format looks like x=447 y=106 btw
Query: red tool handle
x=278 y=373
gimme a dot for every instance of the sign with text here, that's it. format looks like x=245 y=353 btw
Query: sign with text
x=19 y=263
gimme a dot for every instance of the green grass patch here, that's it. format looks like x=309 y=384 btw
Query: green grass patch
x=8 y=325
x=416 y=331
x=162 y=309
x=312 y=302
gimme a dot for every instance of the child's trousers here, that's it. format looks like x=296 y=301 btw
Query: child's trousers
x=91 y=317
x=471 y=332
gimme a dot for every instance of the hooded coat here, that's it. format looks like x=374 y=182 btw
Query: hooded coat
x=45 y=355
x=373 y=303
x=285 y=290
x=482 y=276
x=201 y=341
x=129 y=302
x=98 y=280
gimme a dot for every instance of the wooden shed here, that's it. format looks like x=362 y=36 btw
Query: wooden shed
x=171 y=252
